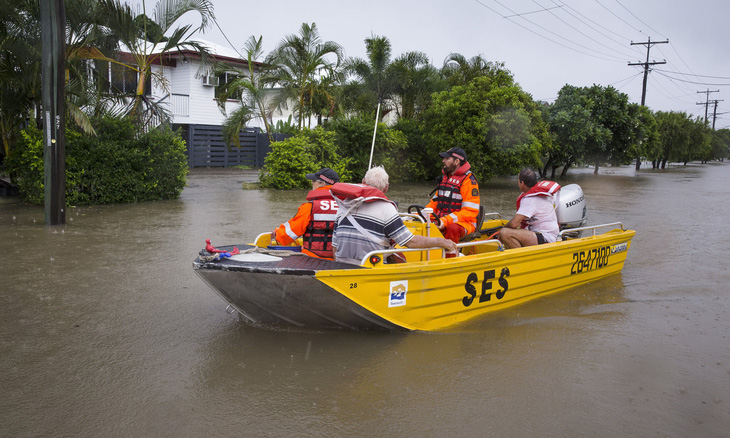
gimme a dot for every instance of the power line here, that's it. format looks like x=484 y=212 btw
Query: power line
x=229 y=41
x=692 y=82
x=533 y=12
x=656 y=85
x=680 y=57
x=646 y=64
x=642 y=21
x=614 y=14
x=692 y=74
x=630 y=78
x=543 y=36
x=707 y=102
x=679 y=85
x=621 y=43
x=579 y=31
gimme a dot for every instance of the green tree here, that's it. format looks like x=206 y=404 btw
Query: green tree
x=720 y=144
x=674 y=136
x=87 y=38
x=115 y=166
x=252 y=87
x=20 y=68
x=300 y=62
x=611 y=112
x=492 y=119
x=646 y=136
x=458 y=70
x=700 y=142
x=594 y=124
x=570 y=122
x=353 y=137
x=290 y=160
x=151 y=40
x=414 y=81
x=373 y=84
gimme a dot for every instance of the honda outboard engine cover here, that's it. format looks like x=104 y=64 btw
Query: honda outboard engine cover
x=571 y=210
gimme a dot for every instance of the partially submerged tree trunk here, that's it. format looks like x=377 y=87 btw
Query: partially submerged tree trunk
x=565 y=168
x=548 y=163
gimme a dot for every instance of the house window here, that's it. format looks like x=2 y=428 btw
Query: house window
x=113 y=78
x=123 y=79
x=224 y=79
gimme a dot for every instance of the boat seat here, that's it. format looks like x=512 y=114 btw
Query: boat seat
x=477 y=233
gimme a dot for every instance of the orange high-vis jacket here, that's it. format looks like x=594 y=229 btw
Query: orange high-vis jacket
x=295 y=227
x=462 y=209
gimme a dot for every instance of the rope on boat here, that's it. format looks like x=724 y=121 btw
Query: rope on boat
x=274 y=252
x=256 y=250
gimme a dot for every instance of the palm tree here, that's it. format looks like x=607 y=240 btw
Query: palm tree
x=415 y=79
x=301 y=61
x=20 y=67
x=149 y=41
x=87 y=39
x=252 y=87
x=372 y=73
x=458 y=70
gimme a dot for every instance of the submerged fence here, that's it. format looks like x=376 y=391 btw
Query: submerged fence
x=206 y=147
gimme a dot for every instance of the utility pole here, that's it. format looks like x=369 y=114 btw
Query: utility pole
x=706 y=103
x=714 y=113
x=646 y=64
x=53 y=68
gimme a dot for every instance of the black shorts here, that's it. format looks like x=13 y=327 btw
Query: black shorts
x=540 y=238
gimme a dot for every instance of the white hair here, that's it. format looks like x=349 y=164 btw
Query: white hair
x=377 y=177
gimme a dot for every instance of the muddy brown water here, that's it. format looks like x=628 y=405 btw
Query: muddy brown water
x=106 y=331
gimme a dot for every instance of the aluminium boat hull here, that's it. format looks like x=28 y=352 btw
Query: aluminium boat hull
x=426 y=295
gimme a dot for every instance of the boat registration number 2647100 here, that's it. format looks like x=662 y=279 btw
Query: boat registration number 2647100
x=595 y=258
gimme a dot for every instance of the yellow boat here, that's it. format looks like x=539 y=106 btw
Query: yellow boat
x=428 y=292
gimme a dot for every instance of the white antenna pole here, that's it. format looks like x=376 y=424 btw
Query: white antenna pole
x=375 y=130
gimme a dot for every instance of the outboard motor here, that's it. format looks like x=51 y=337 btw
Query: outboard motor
x=571 y=210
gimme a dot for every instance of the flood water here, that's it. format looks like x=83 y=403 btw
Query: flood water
x=105 y=330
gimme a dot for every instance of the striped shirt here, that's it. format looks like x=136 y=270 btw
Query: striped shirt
x=380 y=219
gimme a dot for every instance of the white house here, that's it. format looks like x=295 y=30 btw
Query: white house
x=190 y=96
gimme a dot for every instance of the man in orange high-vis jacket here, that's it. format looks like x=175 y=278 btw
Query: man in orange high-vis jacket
x=456 y=199
x=315 y=219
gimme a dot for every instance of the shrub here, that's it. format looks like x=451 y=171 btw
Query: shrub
x=354 y=139
x=418 y=163
x=289 y=161
x=116 y=166
x=25 y=163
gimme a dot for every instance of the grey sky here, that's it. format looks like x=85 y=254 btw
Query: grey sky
x=574 y=42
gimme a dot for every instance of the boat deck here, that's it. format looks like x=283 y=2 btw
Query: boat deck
x=271 y=261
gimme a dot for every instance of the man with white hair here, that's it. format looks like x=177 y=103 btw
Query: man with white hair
x=367 y=220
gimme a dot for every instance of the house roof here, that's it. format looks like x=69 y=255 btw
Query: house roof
x=219 y=52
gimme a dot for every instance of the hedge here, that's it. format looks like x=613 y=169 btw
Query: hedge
x=116 y=166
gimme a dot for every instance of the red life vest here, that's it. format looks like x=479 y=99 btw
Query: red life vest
x=543 y=188
x=446 y=201
x=355 y=191
x=318 y=236
x=353 y=195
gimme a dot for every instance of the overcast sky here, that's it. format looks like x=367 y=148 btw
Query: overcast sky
x=544 y=43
